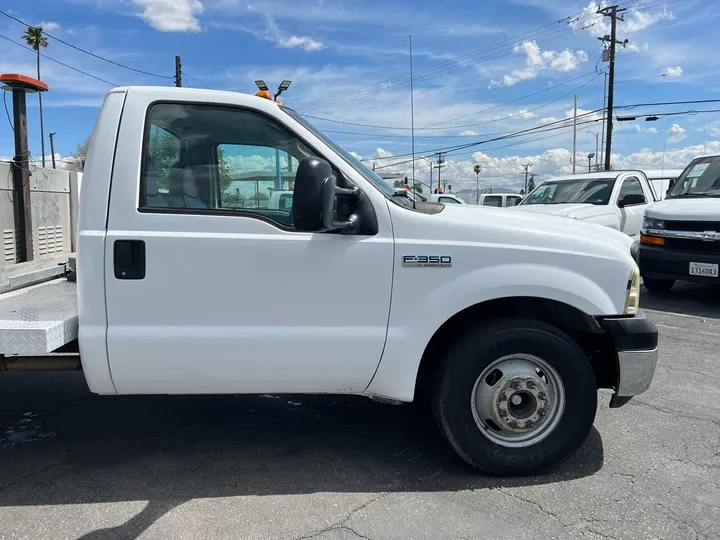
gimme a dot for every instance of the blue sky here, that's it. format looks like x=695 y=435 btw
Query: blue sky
x=476 y=65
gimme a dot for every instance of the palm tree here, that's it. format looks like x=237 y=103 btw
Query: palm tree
x=478 y=170
x=34 y=38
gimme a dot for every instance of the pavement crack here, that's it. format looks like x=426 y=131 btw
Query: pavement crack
x=343 y=523
x=535 y=504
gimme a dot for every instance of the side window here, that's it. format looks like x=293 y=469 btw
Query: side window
x=447 y=200
x=211 y=157
x=631 y=186
x=493 y=200
x=163 y=151
x=513 y=201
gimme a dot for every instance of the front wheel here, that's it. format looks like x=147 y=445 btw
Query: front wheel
x=515 y=397
x=658 y=285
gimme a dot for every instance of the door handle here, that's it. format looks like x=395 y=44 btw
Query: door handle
x=129 y=259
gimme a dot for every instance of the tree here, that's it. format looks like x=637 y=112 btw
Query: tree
x=531 y=184
x=418 y=188
x=478 y=170
x=34 y=38
x=77 y=158
x=223 y=169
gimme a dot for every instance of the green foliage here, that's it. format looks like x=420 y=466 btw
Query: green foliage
x=163 y=153
x=531 y=185
x=223 y=169
x=34 y=37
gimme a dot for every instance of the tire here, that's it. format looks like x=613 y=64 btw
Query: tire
x=658 y=285
x=558 y=434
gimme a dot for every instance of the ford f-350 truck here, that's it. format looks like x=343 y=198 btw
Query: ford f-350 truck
x=506 y=326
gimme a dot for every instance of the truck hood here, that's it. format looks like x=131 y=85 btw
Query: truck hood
x=555 y=229
x=571 y=210
x=691 y=209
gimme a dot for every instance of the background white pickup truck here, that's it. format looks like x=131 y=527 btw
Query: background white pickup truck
x=505 y=325
x=616 y=199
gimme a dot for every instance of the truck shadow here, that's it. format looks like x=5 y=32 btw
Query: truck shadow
x=171 y=449
x=685 y=298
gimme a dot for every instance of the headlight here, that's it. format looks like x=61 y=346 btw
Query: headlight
x=653 y=224
x=632 y=297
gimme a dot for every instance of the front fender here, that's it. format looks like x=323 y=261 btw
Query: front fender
x=414 y=318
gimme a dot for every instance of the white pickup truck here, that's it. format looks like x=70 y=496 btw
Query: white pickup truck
x=616 y=199
x=519 y=319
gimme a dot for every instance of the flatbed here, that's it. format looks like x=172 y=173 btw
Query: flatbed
x=39 y=319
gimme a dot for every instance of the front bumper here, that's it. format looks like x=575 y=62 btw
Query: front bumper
x=662 y=263
x=636 y=344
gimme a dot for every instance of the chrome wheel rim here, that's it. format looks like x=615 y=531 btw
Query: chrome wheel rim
x=518 y=400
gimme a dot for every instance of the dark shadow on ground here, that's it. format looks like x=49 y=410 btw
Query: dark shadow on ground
x=171 y=449
x=685 y=298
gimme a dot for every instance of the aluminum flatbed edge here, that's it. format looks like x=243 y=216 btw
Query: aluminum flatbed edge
x=38 y=319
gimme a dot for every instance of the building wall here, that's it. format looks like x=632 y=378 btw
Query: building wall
x=52 y=197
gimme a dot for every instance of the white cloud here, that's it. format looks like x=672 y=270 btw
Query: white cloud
x=676 y=134
x=507 y=171
x=715 y=132
x=304 y=42
x=537 y=61
x=468 y=133
x=636 y=20
x=48 y=26
x=521 y=114
x=673 y=71
x=171 y=15
x=641 y=129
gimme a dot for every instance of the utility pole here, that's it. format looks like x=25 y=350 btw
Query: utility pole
x=440 y=161
x=527 y=168
x=602 y=135
x=178 y=72
x=575 y=134
x=612 y=12
x=52 y=148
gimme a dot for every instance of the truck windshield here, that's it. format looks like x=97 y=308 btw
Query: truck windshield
x=583 y=190
x=358 y=165
x=700 y=179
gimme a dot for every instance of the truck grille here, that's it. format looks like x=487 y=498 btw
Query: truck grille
x=692 y=246
x=693 y=226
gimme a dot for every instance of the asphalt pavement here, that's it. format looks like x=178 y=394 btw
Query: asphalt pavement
x=74 y=465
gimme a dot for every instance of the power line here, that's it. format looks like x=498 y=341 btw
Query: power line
x=518 y=99
x=537 y=129
x=58 y=61
x=113 y=62
x=461 y=61
x=561 y=130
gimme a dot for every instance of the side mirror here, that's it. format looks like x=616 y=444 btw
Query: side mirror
x=631 y=199
x=314 y=198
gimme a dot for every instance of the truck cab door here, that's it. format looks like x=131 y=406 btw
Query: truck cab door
x=631 y=216
x=209 y=290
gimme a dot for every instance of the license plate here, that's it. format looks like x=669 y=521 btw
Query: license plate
x=704 y=269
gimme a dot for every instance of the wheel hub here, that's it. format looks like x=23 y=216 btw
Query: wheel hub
x=521 y=404
x=518 y=400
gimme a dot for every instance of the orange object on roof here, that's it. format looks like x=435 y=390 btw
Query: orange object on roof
x=16 y=80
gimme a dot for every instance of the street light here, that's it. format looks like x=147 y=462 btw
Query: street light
x=590 y=156
x=596 y=147
x=261 y=85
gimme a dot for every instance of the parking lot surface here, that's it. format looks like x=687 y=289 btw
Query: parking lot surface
x=76 y=465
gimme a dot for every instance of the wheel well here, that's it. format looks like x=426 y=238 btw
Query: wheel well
x=582 y=328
